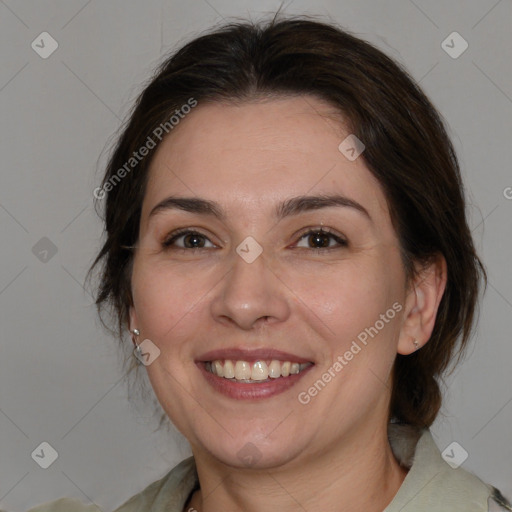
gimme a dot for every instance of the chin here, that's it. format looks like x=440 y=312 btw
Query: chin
x=251 y=451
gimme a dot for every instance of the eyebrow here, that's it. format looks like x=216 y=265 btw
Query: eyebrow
x=289 y=207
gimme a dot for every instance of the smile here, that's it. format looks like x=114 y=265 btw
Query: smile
x=252 y=374
x=258 y=371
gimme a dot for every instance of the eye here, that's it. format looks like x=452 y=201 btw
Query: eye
x=321 y=238
x=189 y=240
x=318 y=239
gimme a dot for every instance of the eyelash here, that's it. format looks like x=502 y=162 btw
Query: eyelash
x=168 y=242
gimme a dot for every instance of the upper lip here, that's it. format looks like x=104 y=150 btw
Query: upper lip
x=250 y=356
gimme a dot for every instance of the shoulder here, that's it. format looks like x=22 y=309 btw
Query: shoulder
x=434 y=480
x=63 y=505
x=170 y=493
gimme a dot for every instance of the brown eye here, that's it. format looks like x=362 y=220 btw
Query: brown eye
x=186 y=239
x=321 y=239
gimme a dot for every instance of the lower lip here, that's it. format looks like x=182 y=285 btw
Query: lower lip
x=255 y=391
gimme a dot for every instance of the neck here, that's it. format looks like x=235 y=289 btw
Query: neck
x=363 y=475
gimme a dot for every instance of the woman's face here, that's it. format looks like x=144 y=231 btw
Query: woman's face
x=331 y=299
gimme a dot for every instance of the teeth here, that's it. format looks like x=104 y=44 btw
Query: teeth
x=255 y=372
x=218 y=368
x=229 y=369
x=259 y=371
x=242 y=370
x=274 y=369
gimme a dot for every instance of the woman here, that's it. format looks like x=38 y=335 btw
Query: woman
x=287 y=244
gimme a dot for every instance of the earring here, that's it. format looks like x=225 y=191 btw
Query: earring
x=416 y=344
x=138 y=350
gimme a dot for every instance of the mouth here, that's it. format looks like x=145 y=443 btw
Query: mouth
x=256 y=372
x=253 y=374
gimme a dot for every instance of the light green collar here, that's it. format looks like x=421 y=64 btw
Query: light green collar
x=433 y=485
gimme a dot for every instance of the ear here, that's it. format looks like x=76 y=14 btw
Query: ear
x=421 y=305
x=133 y=318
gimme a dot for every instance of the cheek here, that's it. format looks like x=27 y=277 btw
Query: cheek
x=348 y=293
x=358 y=308
x=166 y=301
x=352 y=306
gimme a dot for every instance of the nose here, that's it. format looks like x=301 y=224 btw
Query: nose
x=250 y=294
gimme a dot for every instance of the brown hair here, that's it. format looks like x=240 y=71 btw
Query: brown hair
x=407 y=150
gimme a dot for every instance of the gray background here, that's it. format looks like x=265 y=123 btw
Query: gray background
x=60 y=377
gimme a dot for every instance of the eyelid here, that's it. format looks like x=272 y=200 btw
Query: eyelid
x=340 y=239
x=171 y=237
x=307 y=231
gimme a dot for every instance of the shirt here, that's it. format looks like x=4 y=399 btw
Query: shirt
x=431 y=485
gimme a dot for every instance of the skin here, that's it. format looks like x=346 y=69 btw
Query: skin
x=331 y=454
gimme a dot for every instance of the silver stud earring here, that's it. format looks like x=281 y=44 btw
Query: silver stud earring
x=416 y=344
x=138 y=350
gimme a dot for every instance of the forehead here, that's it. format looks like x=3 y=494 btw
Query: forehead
x=260 y=153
